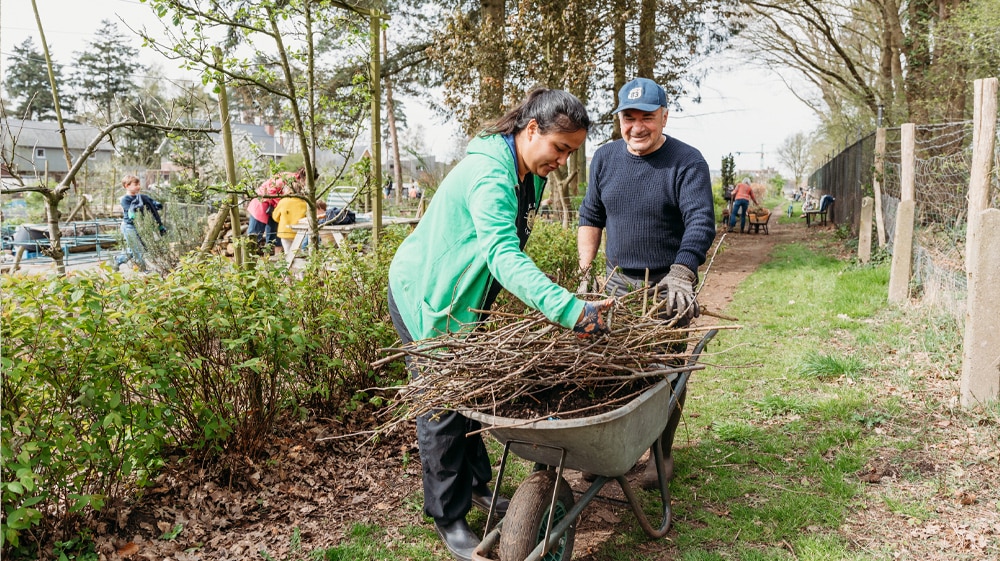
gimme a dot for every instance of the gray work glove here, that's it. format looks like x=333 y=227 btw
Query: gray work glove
x=677 y=288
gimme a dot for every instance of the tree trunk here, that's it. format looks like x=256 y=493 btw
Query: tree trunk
x=646 y=55
x=618 y=62
x=397 y=176
x=493 y=69
x=227 y=152
x=53 y=197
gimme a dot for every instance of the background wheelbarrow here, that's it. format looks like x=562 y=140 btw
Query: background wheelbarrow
x=758 y=220
x=607 y=445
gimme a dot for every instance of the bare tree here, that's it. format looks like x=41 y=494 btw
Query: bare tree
x=794 y=152
x=860 y=54
x=286 y=39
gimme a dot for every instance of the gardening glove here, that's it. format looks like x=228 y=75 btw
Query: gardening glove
x=163 y=230
x=677 y=289
x=591 y=323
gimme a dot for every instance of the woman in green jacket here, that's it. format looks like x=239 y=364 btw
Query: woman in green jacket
x=468 y=246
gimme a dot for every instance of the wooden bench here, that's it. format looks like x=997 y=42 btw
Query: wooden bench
x=820 y=214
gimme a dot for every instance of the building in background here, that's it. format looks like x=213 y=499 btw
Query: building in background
x=34 y=149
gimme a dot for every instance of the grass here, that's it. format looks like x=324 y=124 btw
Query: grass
x=791 y=408
x=767 y=469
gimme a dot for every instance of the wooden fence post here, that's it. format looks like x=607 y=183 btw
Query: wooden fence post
x=902 y=239
x=984 y=128
x=980 y=357
x=981 y=347
x=865 y=231
x=877 y=184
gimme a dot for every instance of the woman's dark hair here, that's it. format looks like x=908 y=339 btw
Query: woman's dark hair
x=553 y=110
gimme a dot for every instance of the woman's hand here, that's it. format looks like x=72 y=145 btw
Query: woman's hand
x=590 y=322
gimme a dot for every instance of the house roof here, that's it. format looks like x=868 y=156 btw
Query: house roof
x=268 y=144
x=257 y=134
x=45 y=134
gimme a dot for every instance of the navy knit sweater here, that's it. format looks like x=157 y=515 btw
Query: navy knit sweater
x=657 y=209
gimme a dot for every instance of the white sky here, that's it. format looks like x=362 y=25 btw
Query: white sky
x=742 y=109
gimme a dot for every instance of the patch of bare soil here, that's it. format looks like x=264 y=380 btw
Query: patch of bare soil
x=239 y=507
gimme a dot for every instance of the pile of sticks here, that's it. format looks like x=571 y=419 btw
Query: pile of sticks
x=519 y=359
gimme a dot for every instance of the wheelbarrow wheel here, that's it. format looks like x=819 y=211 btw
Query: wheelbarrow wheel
x=524 y=525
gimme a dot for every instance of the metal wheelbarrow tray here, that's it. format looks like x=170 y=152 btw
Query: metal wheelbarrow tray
x=607 y=445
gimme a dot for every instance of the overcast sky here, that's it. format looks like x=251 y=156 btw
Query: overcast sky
x=742 y=109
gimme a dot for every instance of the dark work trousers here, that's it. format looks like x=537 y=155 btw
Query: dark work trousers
x=453 y=463
x=619 y=284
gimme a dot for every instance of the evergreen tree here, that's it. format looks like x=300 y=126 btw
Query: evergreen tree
x=28 y=85
x=137 y=145
x=104 y=72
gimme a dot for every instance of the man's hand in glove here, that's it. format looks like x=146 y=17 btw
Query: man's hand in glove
x=677 y=288
x=591 y=323
x=163 y=230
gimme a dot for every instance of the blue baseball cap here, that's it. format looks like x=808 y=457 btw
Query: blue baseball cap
x=642 y=94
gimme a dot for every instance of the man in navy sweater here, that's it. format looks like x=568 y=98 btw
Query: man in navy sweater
x=653 y=195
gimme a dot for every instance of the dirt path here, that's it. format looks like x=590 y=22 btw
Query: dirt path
x=737 y=255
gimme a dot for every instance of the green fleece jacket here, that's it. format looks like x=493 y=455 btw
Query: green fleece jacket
x=442 y=270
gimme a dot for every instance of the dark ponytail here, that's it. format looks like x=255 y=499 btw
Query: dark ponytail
x=553 y=110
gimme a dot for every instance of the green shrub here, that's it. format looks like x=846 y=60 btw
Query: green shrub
x=101 y=372
x=224 y=344
x=554 y=249
x=74 y=434
x=346 y=321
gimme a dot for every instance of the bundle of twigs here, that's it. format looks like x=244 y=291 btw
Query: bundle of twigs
x=516 y=362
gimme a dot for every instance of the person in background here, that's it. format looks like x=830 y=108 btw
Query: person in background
x=742 y=196
x=321 y=212
x=263 y=227
x=467 y=247
x=289 y=210
x=135 y=204
x=652 y=194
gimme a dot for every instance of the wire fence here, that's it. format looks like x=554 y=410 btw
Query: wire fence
x=943 y=154
x=847 y=177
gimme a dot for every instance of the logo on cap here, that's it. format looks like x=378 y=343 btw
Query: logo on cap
x=635 y=93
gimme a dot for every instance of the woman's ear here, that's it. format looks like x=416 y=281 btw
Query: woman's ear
x=532 y=128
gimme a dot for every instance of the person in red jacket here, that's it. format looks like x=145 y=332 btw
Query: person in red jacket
x=742 y=196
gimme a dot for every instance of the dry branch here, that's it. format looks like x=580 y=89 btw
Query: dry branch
x=524 y=361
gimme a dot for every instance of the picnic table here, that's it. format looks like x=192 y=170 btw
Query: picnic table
x=338 y=232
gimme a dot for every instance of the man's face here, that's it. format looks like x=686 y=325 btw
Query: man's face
x=643 y=130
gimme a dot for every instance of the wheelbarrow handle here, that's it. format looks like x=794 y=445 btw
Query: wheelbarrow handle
x=696 y=353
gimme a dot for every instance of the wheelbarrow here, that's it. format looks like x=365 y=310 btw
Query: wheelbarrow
x=607 y=445
x=758 y=220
